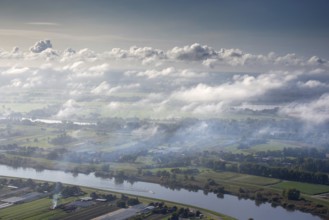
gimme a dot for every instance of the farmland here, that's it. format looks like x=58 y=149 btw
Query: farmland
x=311 y=189
x=212 y=155
x=81 y=207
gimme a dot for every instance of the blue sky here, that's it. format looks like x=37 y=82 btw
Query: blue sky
x=258 y=26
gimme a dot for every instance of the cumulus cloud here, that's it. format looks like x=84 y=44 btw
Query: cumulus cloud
x=68 y=109
x=316 y=111
x=15 y=83
x=86 y=53
x=199 y=55
x=152 y=73
x=194 y=52
x=77 y=89
x=166 y=72
x=131 y=80
x=114 y=105
x=40 y=46
x=137 y=52
x=34 y=78
x=312 y=84
x=15 y=70
x=242 y=87
x=74 y=67
x=32 y=82
x=15 y=50
x=104 y=88
x=205 y=108
x=315 y=60
x=99 y=68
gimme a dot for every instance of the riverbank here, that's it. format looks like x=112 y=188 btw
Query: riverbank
x=259 y=189
x=227 y=205
x=208 y=214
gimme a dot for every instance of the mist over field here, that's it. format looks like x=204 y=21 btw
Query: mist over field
x=193 y=95
x=196 y=102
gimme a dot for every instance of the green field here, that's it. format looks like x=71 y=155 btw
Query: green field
x=306 y=188
x=38 y=209
x=256 y=180
x=271 y=145
x=205 y=174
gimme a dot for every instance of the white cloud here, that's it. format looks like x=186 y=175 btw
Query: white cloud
x=114 y=105
x=166 y=72
x=211 y=63
x=318 y=71
x=105 y=89
x=40 y=46
x=316 y=111
x=315 y=60
x=102 y=88
x=75 y=66
x=87 y=53
x=200 y=56
x=144 y=55
x=137 y=52
x=243 y=87
x=15 y=50
x=194 y=52
x=312 y=84
x=33 y=81
x=99 y=68
x=15 y=70
x=131 y=80
x=205 y=108
x=15 y=83
x=156 y=73
x=68 y=109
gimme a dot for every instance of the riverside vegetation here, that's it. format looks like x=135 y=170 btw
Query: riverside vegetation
x=60 y=201
x=283 y=172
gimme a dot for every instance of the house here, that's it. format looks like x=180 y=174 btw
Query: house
x=147 y=209
x=86 y=199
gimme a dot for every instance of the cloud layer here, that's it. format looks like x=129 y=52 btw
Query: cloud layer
x=191 y=81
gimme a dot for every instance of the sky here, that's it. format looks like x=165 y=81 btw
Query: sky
x=162 y=59
x=257 y=26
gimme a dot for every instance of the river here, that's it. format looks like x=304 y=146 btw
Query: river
x=229 y=205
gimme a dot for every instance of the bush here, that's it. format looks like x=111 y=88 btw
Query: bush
x=121 y=204
x=293 y=194
x=133 y=201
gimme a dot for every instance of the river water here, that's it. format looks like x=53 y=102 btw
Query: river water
x=229 y=205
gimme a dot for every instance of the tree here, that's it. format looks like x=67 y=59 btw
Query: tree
x=174 y=216
x=293 y=194
x=53 y=155
x=121 y=204
x=71 y=191
x=94 y=195
x=106 y=167
x=132 y=201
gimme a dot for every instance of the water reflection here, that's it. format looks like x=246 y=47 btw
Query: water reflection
x=226 y=204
